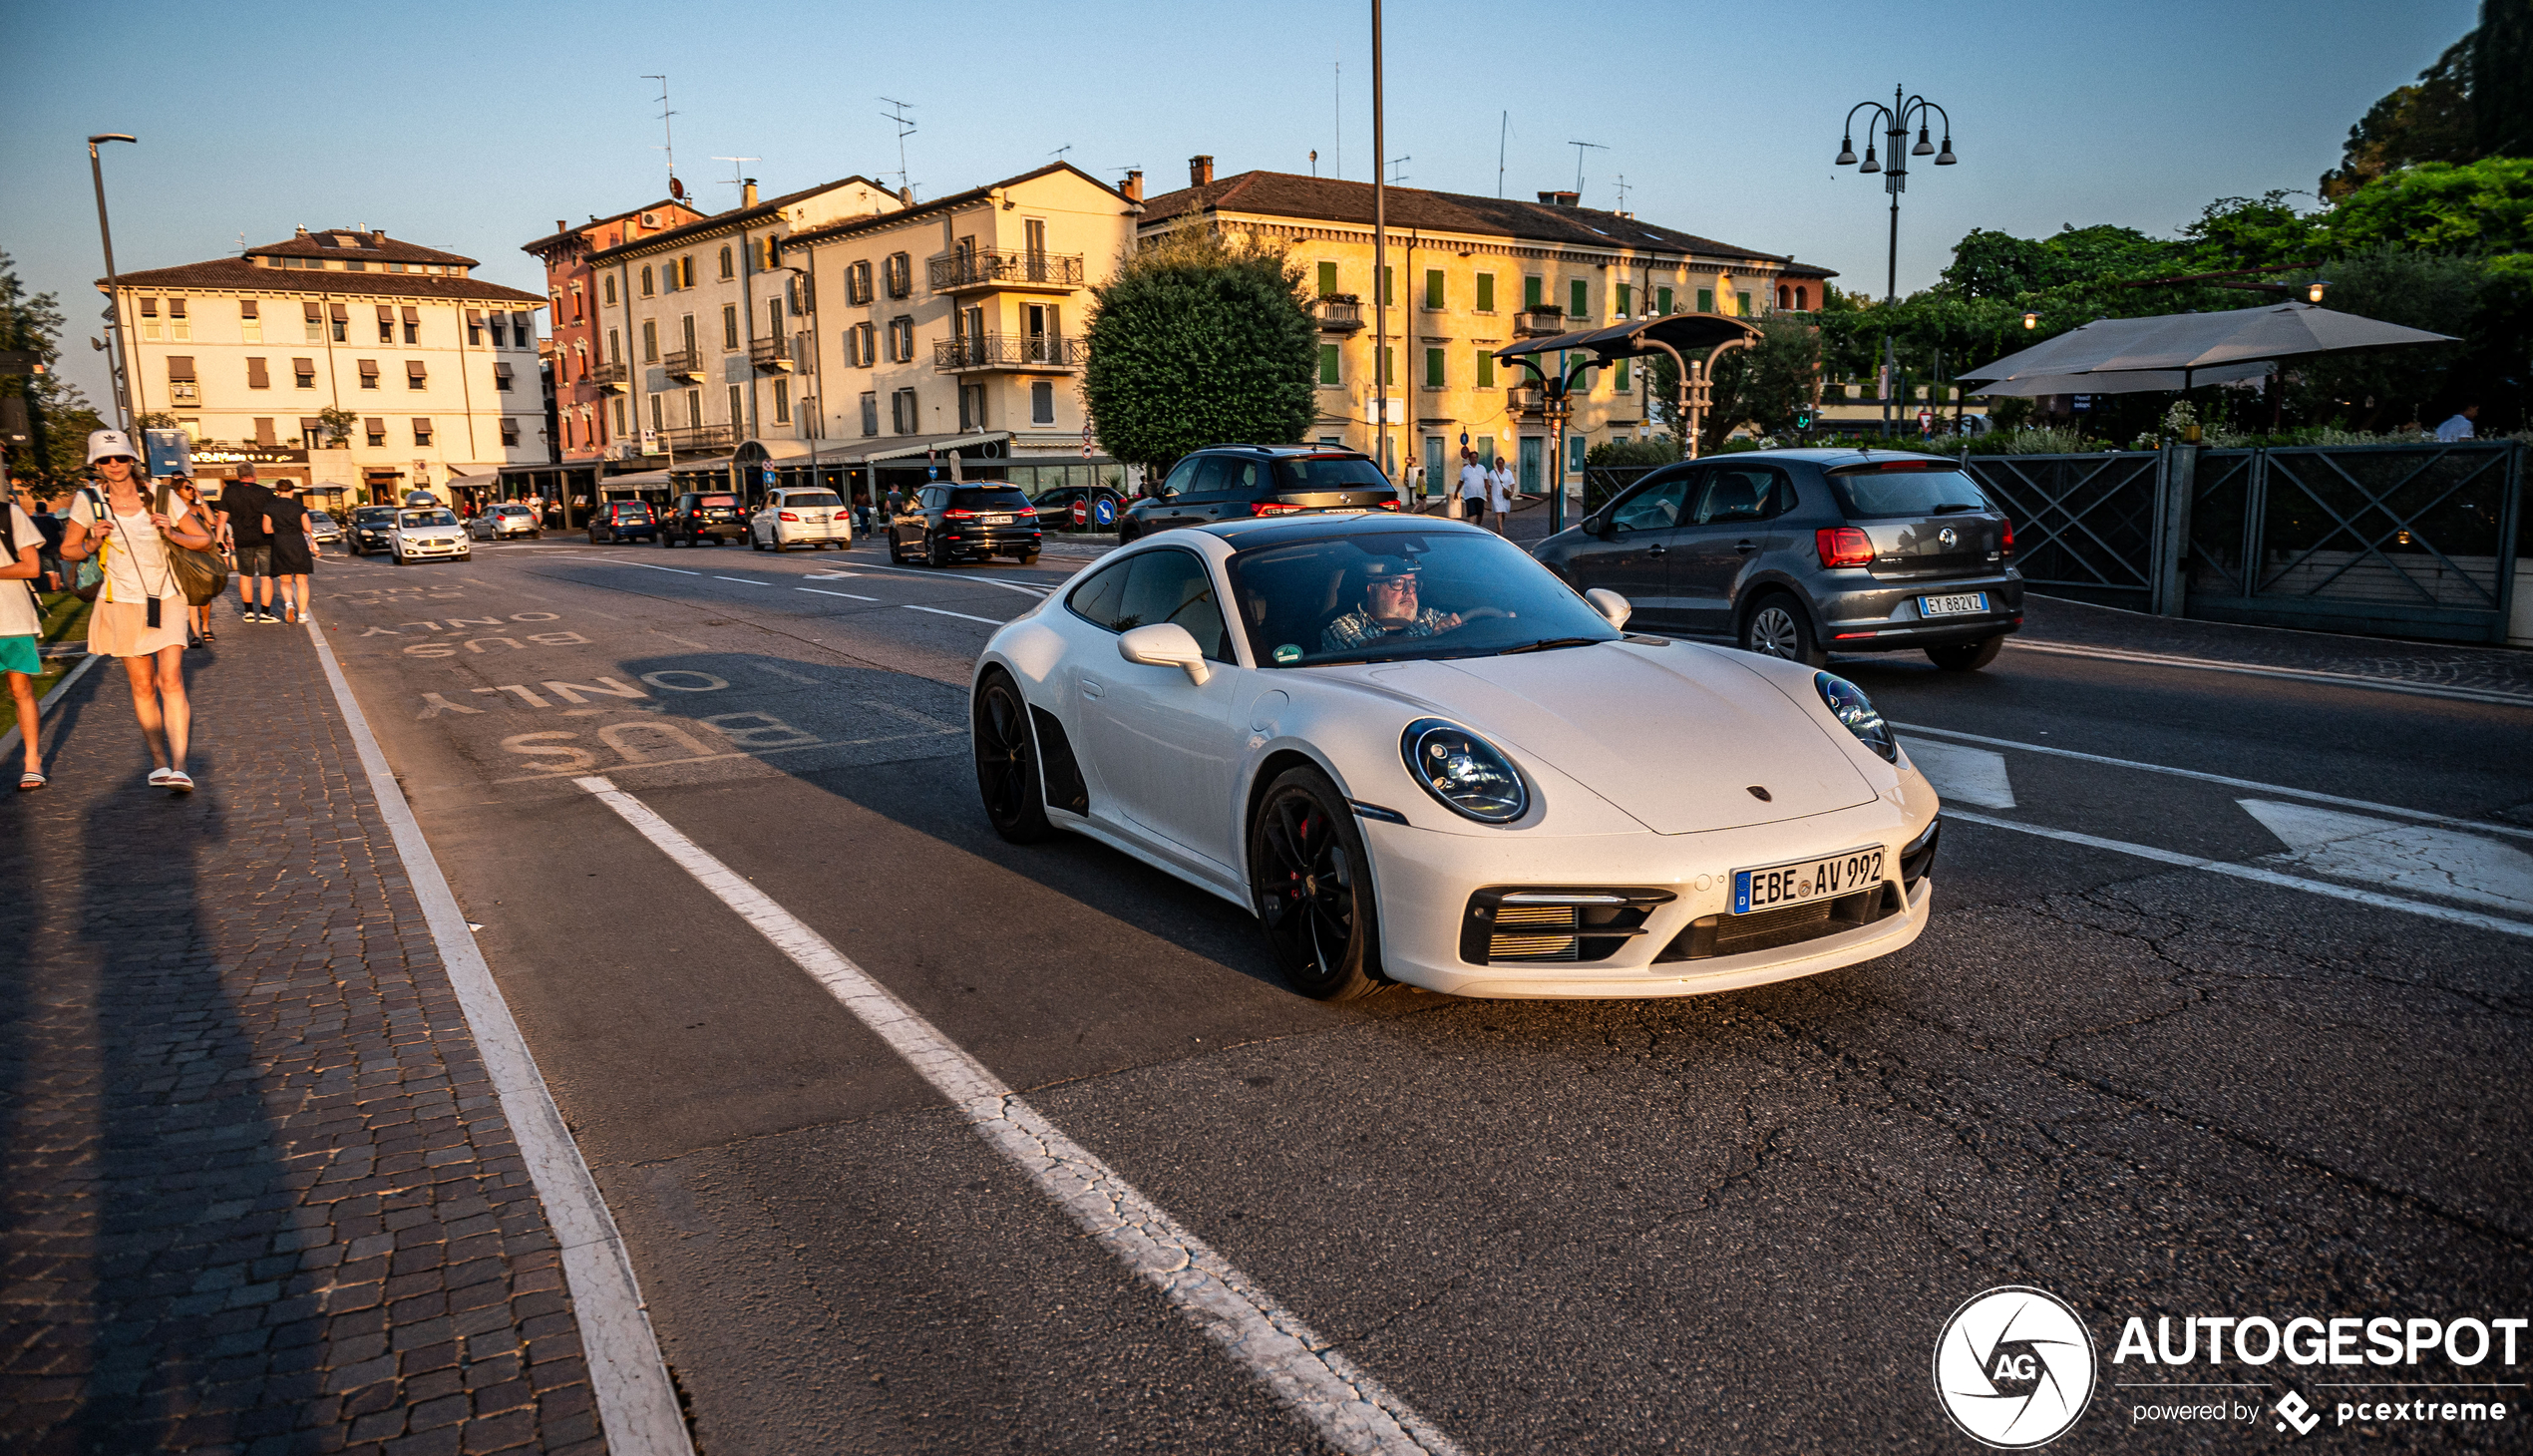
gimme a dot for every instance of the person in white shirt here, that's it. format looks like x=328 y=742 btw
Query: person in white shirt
x=21 y=624
x=2459 y=427
x=139 y=613
x=1504 y=487
x=1473 y=487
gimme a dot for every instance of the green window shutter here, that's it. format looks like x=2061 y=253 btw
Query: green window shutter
x=1742 y=299
x=1627 y=296
x=1622 y=376
x=1579 y=300
x=1663 y=296
x=1389 y=375
x=1705 y=300
x=1533 y=293
x=1389 y=287
x=1328 y=363
x=1327 y=280
x=1433 y=287
x=1486 y=293
x=1433 y=368
x=1486 y=370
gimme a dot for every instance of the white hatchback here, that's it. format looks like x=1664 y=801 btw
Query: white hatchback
x=428 y=536
x=801 y=515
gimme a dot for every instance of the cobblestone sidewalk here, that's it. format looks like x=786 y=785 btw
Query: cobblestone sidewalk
x=259 y=1196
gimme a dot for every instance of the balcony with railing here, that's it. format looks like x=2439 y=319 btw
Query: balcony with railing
x=608 y=377
x=1340 y=313
x=695 y=439
x=1532 y=324
x=686 y=364
x=995 y=267
x=1029 y=353
x=771 y=356
x=1526 y=399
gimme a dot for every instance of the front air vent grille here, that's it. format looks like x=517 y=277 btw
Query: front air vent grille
x=1711 y=936
x=1533 y=923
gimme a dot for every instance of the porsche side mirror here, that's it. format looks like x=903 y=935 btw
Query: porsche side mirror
x=1612 y=607
x=1166 y=645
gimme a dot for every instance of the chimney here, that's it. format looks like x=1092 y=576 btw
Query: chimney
x=1133 y=187
x=561 y=226
x=1560 y=200
x=747 y=193
x=1200 y=170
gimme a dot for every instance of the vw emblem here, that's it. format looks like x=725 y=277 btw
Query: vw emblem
x=1948 y=537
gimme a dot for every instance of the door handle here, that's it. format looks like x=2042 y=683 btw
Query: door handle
x=1746 y=547
x=1091 y=687
x=1658 y=550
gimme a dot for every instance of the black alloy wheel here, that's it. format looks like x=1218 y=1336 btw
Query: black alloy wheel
x=1007 y=776
x=934 y=555
x=1311 y=883
x=1965 y=656
x=1777 y=627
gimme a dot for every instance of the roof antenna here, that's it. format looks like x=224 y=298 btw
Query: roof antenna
x=1579 y=153
x=1058 y=153
x=676 y=189
x=1503 y=128
x=1623 y=195
x=736 y=179
x=906 y=129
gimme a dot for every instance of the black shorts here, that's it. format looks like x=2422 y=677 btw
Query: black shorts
x=255 y=560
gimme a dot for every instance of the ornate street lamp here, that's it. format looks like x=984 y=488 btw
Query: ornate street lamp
x=1896 y=119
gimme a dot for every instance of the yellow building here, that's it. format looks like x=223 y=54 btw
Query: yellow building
x=1467 y=276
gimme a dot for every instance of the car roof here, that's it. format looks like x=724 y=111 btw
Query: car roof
x=1287 y=452
x=1828 y=456
x=1318 y=526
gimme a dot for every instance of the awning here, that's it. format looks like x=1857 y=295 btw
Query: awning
x=905 y=446
x=413 y=369
x=342 y=312
x=1686 y=332
x=247 y=308
x=2196 y=344
x=314 y=312
x=373 y=424
x=474 y=483
x=641 y=480
x=412 y=314
x=768 y=452
x=310 y=422
x=303 y=366
x=386 y=314
x=180 y=366
x=2125 y=381
x=701 y=467
x=369 y=369
x=500 y=369
x=475 y=317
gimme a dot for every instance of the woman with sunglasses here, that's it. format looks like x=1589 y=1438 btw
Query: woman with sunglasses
x=191 y=497
x=140 y=615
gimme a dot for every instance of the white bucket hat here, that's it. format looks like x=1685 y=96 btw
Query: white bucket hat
x=104 y=444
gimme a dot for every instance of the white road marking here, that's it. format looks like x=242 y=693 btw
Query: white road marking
x=637 y=1407
x=2293 y=674
x=9 y=740
x=2408 y=856
x=2422 y=816
x=964 y=581
x=1349 y=1409
x=2254 y=873
x=962 y=616
x=856 y=596
x=1970 y=775
x=647 y=566
x=751 y=581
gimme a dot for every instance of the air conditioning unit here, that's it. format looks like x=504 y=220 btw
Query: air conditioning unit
x=651 y=221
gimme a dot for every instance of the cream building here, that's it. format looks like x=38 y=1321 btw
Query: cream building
x=1467 y=276
x=436 y=368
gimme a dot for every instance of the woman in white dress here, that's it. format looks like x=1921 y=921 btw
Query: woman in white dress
x=141 y=610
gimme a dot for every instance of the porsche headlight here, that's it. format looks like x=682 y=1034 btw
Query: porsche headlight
x=1849 y=705
x=1464 y=771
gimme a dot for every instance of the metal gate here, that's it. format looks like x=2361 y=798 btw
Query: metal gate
x=2085 y=525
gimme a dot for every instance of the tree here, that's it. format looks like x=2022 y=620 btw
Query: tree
x=2428 y=120
x=2502 y=79
x=1197 y=341
x=57 y=412
x=2378 y=389
x=1765 y=384
x=337 y=423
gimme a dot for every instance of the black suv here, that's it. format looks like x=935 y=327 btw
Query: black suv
x=697 y=517
x=1795 y=552
x=1237 y=482
x=369 y=528
x=622 y=521
x=944 y=523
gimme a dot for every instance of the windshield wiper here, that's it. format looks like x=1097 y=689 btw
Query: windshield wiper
x=1950 y=509
x=1542 y=646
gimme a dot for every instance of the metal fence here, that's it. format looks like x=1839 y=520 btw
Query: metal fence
x=2085 y=525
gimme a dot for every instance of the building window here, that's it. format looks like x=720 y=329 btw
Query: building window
x=899 y=275
x=256 y=378
x=902 y=339
x=1574 y=445
x=1433 y=369
x=857 y=283
x=738 y=411
x=686 y=331
x=1621 y=383
x=609 y=285
x=413 y=326
x=857 y=347
x=473 y=328
x=1486 y=293
x=422 y=431
x=619 y=415
x=1577 y=299
x=342 y=321
x=1626 y=296
x=687 y=272
x=180 y=328
x=870 y=413
x=1327 y=280
x=578 y=313
x=1042 y=403
x=1389 y=370
x=369 y=373
x=149 y=319
x=729 y=325
x=1663 y=301
x=414 y=376
x=1705 y=300
x=904 y=418
x=1389 y=287
x=374 y=430
x=1486 y=370
x=386 y=323
x=1433 y=288
x=647 y=280
x=774 y=318
x=656 y=426
x=1741 y=304
x=782 y=402
x=650 y=341
x=725 y=260
x=316 y=324
x=509 y=431
x=501 y=337
x=303 y=373
x=1534 y=291
x=971 y=407
x=501 y=376
x=263 y=431
x=1329 y=357
x=1799 y=296
x=250 y=324
x=694 y=409
x=615 y=347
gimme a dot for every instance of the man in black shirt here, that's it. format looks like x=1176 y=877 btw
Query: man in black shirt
x=245 y=503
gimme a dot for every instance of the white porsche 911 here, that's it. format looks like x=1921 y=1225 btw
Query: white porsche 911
x=1417 y=756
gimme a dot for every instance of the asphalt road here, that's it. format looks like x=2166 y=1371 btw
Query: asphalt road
x=1731 y=1223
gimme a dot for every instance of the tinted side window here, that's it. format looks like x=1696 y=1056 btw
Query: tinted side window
x=1656 y=508
x=1181 y=478
x=1095 y=600
x=1245 y=478
x=1174 y=587
x=1208 y=478
x=1748 y=493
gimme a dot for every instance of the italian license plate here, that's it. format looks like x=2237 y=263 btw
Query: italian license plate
x=1967 y=604
x=998 y=521
x=1778 y=885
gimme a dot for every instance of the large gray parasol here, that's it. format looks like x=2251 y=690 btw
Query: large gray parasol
x=2182 y=350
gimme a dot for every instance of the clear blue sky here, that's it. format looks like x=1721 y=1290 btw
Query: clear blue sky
x=475 y=126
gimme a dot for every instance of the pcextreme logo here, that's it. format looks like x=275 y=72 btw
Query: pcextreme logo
x=2013 y=1367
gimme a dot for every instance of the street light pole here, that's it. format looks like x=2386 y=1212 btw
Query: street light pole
x=1894 y=120
x=113 y=282
x=1380 y=257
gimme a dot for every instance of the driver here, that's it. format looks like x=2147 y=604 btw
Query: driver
x=1391 y=610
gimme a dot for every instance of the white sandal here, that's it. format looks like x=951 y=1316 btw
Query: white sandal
x=31 y=779
x=158 y=776
x=179 y=782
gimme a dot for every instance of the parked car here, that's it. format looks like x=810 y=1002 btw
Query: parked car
x=1795 y=552
x=504 y=522
x=432 y=535
x=944 y=523
x=1416 y=757
x=324 y=529
x=1237 y=481
x=1055 y=508
x=371 y=528
x=801 y=515
x=702 y=518
x=620 y=521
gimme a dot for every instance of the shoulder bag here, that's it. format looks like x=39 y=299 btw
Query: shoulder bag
x=201 y=574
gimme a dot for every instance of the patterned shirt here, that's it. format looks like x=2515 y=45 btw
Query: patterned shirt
x=1359 y=626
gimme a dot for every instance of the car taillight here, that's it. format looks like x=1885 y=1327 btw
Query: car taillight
x=957 y=515
x=1386 y=506
x=1843 y=546
x=1027 y=510
x=2009 y=539
x=1271 y=508
x=785 y=515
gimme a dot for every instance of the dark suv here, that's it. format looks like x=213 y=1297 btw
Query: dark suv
x=369 y=528
x=1795 y=552
x=1237 y=482
x=622 y=521
x=701 y=517
x=944 y=523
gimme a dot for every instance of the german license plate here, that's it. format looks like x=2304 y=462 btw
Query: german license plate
x=1777 y=885
x=998 y=521
x=1967 y=604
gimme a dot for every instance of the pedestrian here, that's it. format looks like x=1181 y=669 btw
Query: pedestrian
x=294 y=548
x=896 y=503
x=1501 y=488
x=22 y=624
x=2459 y=427
x=199 y=617
x=49 y=527
x=1473 y=487
x=244 y=501
x=132 y=620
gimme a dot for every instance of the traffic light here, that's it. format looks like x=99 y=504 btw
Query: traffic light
x=1803 y=417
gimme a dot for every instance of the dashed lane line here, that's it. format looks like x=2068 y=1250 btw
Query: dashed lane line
x=2257 y=874
x=2422 y=816
x=751 y=581
x=1348 y=1408
x=2291 y=674
x=962 y=616
x=822 y=592
x=960 y=581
